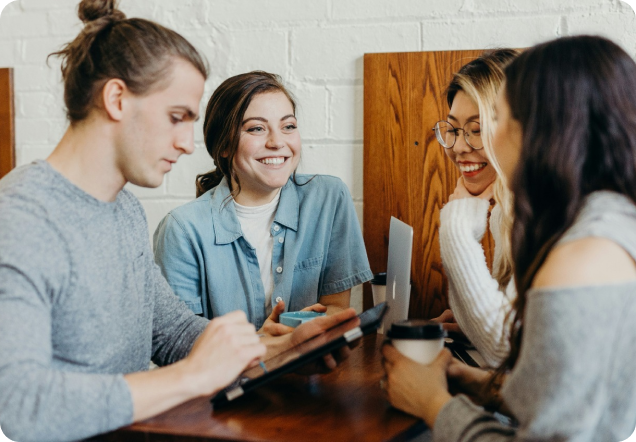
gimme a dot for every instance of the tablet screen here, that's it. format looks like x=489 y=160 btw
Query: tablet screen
x=304 y=353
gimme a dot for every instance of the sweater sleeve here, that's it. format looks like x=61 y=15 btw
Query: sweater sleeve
x=573 y=380
x=38 y=400
x=478 y=305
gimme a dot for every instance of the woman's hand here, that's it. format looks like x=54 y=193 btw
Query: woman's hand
x=461 y=192
x=447 y=319
x=420 y=390
x=272 y=325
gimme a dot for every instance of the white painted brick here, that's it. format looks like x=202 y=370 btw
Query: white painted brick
x=32 y=131
x=147 y=192
x=257 y=50
x=7 y=53
x=156 y=210
x=469 y=33
x=58 y=128
x=12 y=8
x=39 y=105
x=213 y=46
x=26 y=155
x=37 y=78
x=65 y=22
x=37 y=50
x=383 y=9
x=617 y=26
x=276 y=11
x=180 y=181
x=346 y=112
x=512 y=6
x=49 y=4
x=26 y=24
x=311 y=110
x=335 y=53
x=184 y=14
x=342 y=161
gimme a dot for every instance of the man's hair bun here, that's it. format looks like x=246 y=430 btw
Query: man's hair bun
x=91 y=10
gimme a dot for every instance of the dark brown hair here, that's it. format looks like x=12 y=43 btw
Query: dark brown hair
x=575 y=99
x=135 y=50
x=224 y=119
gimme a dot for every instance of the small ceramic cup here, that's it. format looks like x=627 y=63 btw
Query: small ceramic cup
x=418 y=339
x=294 y=319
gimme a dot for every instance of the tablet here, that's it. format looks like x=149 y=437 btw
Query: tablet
x=308 y=351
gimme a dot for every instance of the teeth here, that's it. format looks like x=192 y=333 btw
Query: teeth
x=471 y=167
x=274 y=161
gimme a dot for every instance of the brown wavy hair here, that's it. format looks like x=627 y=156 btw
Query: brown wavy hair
x=137 y=51
x=224 y=119
x=575 y=99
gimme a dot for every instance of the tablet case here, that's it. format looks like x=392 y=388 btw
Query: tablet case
x=369 y=320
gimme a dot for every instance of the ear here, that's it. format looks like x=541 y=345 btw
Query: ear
x=113 y=94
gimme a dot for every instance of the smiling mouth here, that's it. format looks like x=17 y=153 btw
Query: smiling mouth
x=471 y=167
x=273 y=161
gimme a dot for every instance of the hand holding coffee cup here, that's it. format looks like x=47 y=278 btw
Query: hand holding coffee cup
x=417 y=339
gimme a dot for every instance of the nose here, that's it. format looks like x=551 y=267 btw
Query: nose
x=185 y=140
x=275 y=140
x=461 y=146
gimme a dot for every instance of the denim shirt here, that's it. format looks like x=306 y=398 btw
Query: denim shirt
x=318 y=250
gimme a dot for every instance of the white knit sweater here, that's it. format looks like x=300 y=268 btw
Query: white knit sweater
x=478 y=305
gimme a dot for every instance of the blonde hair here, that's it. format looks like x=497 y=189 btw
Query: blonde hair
x=481 y=79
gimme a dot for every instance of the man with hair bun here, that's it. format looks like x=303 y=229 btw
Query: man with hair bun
x=83 y=307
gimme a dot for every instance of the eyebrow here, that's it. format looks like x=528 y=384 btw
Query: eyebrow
x=471 y=118
x=189 y=112
x=264 y=120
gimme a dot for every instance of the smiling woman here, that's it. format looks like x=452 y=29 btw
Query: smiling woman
x=260 y=237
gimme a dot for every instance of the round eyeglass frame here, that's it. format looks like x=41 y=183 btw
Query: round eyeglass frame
x=442 y=142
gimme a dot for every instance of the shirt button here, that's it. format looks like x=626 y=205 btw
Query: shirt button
x=281 y=239
x=279 y=270
x=276 y=228
x=278 y=299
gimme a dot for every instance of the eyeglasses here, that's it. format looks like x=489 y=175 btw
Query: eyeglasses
x=447 y=134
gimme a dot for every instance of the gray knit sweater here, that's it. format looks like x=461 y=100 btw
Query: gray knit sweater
x=81 y=303
x=575 y=379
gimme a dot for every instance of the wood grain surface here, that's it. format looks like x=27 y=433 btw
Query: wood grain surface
x=406 y=173
x=7 y=125
x=345 y=405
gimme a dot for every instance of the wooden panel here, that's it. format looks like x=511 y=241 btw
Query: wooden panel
x=7 y=137
x=406 y=173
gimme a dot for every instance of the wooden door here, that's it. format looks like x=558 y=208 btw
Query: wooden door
x=7 y=137
x=406 y=173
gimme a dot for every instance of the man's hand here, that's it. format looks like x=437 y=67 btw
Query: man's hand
x=225 y=348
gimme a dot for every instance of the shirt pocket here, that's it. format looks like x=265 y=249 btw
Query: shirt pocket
x=306 y=283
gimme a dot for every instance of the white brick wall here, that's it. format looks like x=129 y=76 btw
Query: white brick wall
x=317 y=46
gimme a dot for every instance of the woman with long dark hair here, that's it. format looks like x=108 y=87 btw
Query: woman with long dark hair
x=260 y=237
x=565 y=141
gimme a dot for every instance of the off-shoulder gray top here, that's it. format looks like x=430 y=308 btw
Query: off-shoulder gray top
x=575 y=379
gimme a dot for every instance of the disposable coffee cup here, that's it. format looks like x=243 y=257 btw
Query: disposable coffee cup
x=378 y=289
x=418 y=339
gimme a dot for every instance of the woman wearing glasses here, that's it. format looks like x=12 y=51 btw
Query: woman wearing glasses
x=479 y=301
x=566 y=119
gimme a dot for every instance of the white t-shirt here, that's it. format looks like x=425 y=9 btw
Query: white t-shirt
x=256 y=223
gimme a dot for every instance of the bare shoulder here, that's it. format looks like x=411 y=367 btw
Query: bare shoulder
x=586 y=261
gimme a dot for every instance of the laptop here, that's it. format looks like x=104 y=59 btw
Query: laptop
x=398 y=272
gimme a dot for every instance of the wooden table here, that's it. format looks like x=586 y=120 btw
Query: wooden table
x=345 y=405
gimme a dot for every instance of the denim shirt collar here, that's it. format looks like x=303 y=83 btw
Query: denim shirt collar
x=227 y=227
